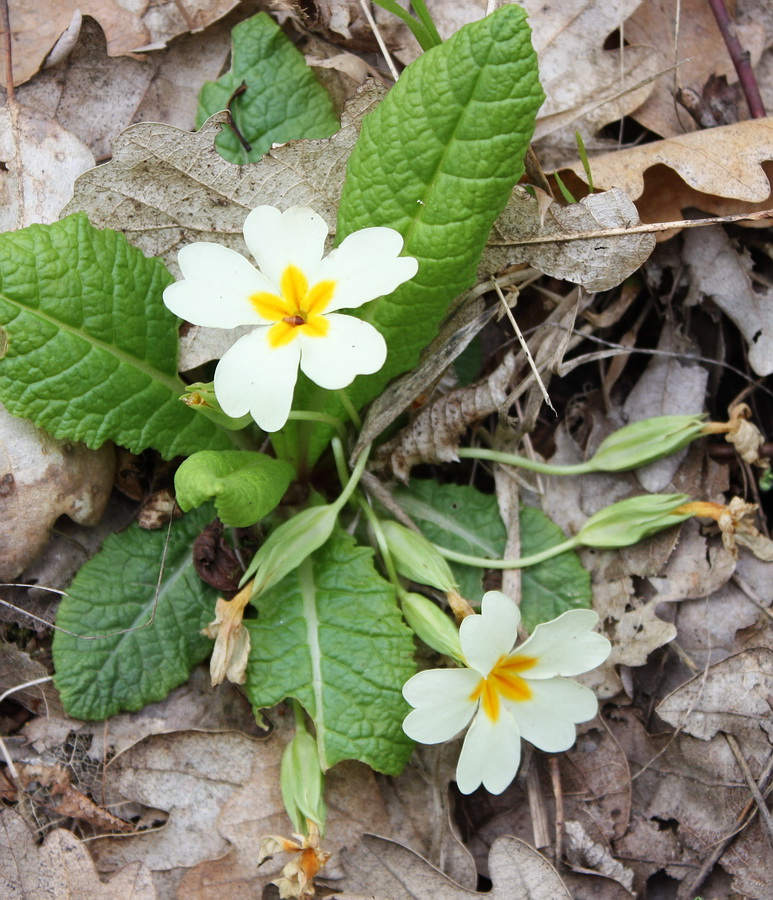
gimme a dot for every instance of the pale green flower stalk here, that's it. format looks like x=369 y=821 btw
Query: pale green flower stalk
x=302 y=779
x=619 y=525
x=293 y=541
x=627 y=448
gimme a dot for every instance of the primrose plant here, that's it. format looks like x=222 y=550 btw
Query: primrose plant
x=312 y=619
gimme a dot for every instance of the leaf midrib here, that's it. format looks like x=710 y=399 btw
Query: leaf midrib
x=172 y=383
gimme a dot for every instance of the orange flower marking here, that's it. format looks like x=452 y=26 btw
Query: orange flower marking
x=298 y=310
x=504 y=681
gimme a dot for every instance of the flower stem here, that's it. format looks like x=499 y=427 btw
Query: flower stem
x=354 y=479
x=383 y=547
x=484 y=563
x=302 y=415
x=522 y=462
x=350 y=408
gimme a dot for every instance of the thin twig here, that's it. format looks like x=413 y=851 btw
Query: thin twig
x=762 y=808
x=524 y=346
x=556 y=238
x=555 y=779
x=741 y=59
x=380 y=40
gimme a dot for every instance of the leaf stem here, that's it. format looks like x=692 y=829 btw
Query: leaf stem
x=383 y=547
x=533 y=465
x=303 y=415
x=350 y=408
x=484 y=563
x=420 y=32
x=359 y=468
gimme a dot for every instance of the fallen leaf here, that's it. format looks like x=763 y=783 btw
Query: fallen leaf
x=722 y=272
x=36 y=27
x=720 y=171
x=697 y=45
x=584 y=852
x=667 y=387
x=40 y=161
x=731 y=696
x=41 y=479
x=193 y=705
x=697 y=789
x=598 y=263
x=60 y=868
x=162 y=87
x=256 y=809
x=418 y=809
x=384 y=870
x=190 y=775
x=17 y=668
x=697 y=568
x=587 y=86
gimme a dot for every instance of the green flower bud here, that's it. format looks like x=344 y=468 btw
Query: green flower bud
x=289 y=544
x=201 y=397
x=432 y=625
x=632 y=520
x=643 y=442
x=303 y=783
x=416 y=558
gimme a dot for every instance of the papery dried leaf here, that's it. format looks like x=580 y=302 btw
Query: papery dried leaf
x=597 y=262
x=723 y=273
x=434 y=434
x=732 y=696
x=454 y=337
x=721 y=170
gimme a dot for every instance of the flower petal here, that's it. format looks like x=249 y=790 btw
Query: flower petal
x=491 y=634
x=566 y=646
x=366 y=266
x=547 y=720
x=350 y=348
x=490 y=755
x=277 y=239
x=217 y=287
x=257 y=378
x=442 y=701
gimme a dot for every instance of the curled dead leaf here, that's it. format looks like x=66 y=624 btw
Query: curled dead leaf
x=553 y=241
x=722 y=171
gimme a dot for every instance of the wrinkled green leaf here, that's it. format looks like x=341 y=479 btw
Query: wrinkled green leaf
x=245 y=486
x=92 y=350
x=558 y=584
x=461 y=518
x=465 y=520
x=437 y=161
x=116 y=591
x=331 y=635
x=282 y=101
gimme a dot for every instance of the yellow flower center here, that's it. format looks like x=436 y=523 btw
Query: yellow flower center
x=298 y=310
x=503 y=681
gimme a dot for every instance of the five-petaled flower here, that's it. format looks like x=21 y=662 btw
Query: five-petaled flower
x=292 y=299
x=507 y=693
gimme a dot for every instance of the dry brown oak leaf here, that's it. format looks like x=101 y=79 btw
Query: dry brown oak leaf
x=145 y=24
x=61 y=868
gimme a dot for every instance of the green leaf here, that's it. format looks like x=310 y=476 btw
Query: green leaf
x=437 y=161
x=331 y=635
x=283 y=99
x=116 y=591
x=465 y=520
x=556 y=585
x=245 y=486
x=461 y=518
x=92 y=350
